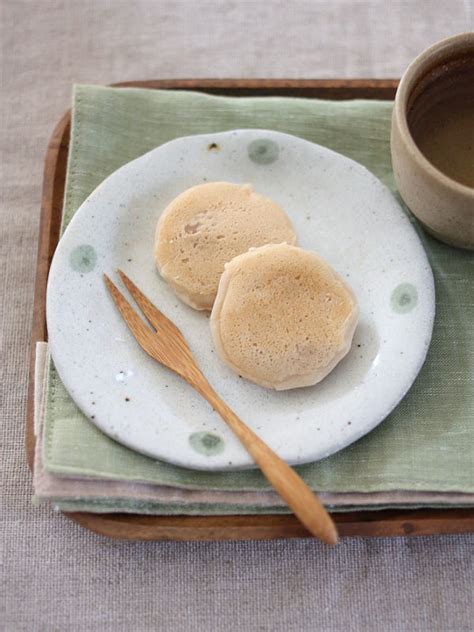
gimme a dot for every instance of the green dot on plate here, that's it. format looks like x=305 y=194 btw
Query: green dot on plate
x=263 y=151
x=83 y=258
x=404 y=298
x=206 y=443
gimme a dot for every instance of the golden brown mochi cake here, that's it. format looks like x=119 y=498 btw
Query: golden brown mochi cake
x=282 y=318
x=207 y=226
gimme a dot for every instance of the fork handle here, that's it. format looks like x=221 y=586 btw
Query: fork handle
x=291 y=487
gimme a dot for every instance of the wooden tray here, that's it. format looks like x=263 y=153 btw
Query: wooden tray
x=366 y=523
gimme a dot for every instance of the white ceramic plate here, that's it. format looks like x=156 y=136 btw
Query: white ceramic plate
x=338 y=208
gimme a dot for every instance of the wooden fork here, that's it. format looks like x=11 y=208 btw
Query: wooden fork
x=166 y=344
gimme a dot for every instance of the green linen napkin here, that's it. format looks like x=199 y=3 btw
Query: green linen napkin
x=427 y=443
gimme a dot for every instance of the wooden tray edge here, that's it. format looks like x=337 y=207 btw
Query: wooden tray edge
x=265 y=527
x=339 y=89
x=54 y=180
x=242 y=527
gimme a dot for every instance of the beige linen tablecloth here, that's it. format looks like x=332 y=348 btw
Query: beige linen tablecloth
x=53 y=574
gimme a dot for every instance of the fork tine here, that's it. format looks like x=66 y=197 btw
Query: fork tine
x=156 y=318
x=136 y=325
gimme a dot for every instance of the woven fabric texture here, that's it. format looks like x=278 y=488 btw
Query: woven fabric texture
x=426 y=444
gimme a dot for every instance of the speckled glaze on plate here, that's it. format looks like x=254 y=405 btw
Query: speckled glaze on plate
x=338 y=208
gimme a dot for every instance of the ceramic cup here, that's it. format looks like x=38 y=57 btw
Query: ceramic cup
x=442 y=74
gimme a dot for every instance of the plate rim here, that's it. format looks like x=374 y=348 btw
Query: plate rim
x=211 y=467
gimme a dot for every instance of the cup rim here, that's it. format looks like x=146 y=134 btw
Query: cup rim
x=401 y=100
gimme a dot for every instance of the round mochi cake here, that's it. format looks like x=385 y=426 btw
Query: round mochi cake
x=282 y=318
x=208 y=225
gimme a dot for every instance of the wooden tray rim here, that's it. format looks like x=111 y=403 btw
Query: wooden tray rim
x=236 y=527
